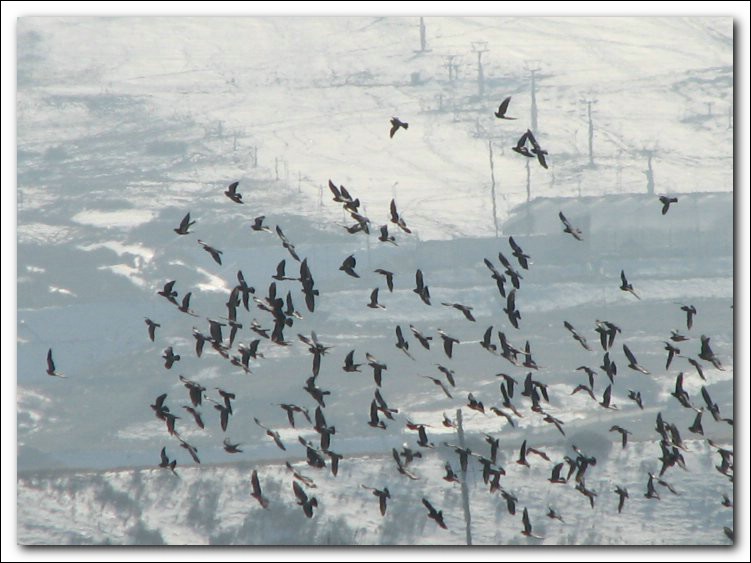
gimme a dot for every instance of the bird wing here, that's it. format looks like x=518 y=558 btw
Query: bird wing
x=232 y=188
x=629 y=355
x=50 y=363
x=299 y=493
x=503 y=107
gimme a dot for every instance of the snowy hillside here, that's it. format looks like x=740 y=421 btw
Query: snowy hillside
x=126 y=125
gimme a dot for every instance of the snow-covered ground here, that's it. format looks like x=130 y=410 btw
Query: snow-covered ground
x=126 y=125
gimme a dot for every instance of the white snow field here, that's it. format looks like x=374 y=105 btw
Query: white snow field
x=127 y=124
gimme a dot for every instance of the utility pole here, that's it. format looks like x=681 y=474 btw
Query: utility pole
x=529 y=193
x=533 y=104
x=492 y=187
x=589 y=103
x=709 y=109
x=276 y=167
x=451 y=66
x=480 y=47
x=650 y=173
x=465 y=489
x=423 y=41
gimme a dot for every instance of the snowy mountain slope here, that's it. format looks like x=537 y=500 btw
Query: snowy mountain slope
x=118 y=142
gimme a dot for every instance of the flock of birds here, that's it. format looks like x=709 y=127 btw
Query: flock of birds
x=282 y=313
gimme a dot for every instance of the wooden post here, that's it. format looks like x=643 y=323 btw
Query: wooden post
x=465 y=489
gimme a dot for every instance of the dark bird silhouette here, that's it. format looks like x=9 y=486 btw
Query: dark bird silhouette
x=680 y=394
x=578 y=337
x=348 y=266
x=466 y=310
x=528 y=361
x=567 y=228
x=632 y=363
x=422 y=339
x=501 y=113
x=510 y=309
x=676 y=336
x=307 y=481
x=555 y=476
x=606 y=398
x=168 y=292
x=378 y=367
x=231 y=448
x=185 y=224
x=389 y=278
x=258 y=224
x=672 y=352
x=185 y=305
x=622 y=493
x=607 y=332
x=590 y=374
x=440 y=384
x=288 y=245
x=396 y=123
x=434 y=514
x=383 y=407
x=474 y=404
x=519 y=253
x=421 y=289
x=385 y=236
x=521 y=147
x=651 y=492
x=625 y=286
x=523 y=455
x=698 y=367
x=195 y=390
x=215 y=254
x=165 y=462
x=316 y=392
x=449 y=373
x=349 y=363
x=624 y=434
x=274 y=435
x=256 y=492
x=306 y=503
x=527 y=531
x=401 y=467
x=588 y=389
x=374 y=421
x=291 y=409
x=231 y=192
x=422 y=437
x=224 y=414
x=553 y=515
x=511 y=501
x=537 y=150
x=51 y=366
x=402 y=344
x=499 y=278
x=280 y=274
x=636 y=397
x=397 y=219
x=169 y=357
x=190 y=449
x=666 y=201
x=590 y=494
x=690 y=311
x=486 y=342
x=696 y=427
x=382 y=496
x=708 y=355
x=374 y=304
x=196 y=416
x=448 y=342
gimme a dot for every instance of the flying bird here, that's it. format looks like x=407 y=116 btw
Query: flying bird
x=185 y=224
x=397 y=219
x=51 y=366
x=632 y=363
x=625 y=286
x=501 y=113
x=574 y=232
x=374 y=304
x=170 y=357
x=231 y=448
x=624 y=434
x=306 y=503
x=666 y=201
x=537 y=150
x=466 y=310
x=382 y=496
x=521 y=147
x=690 y=311
x=168 y=292
x=385 y=236
x=274 y=435
x=434 y=514
x=258 y=224
x=396 y=123
x=348 y=266
x=622 y=493
x=256 y=493
x=519 y=254
x=389 y=278
x=165 y=462
x=231 y=192
x=527 y=531
x=424 y=340
x=215 y=254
